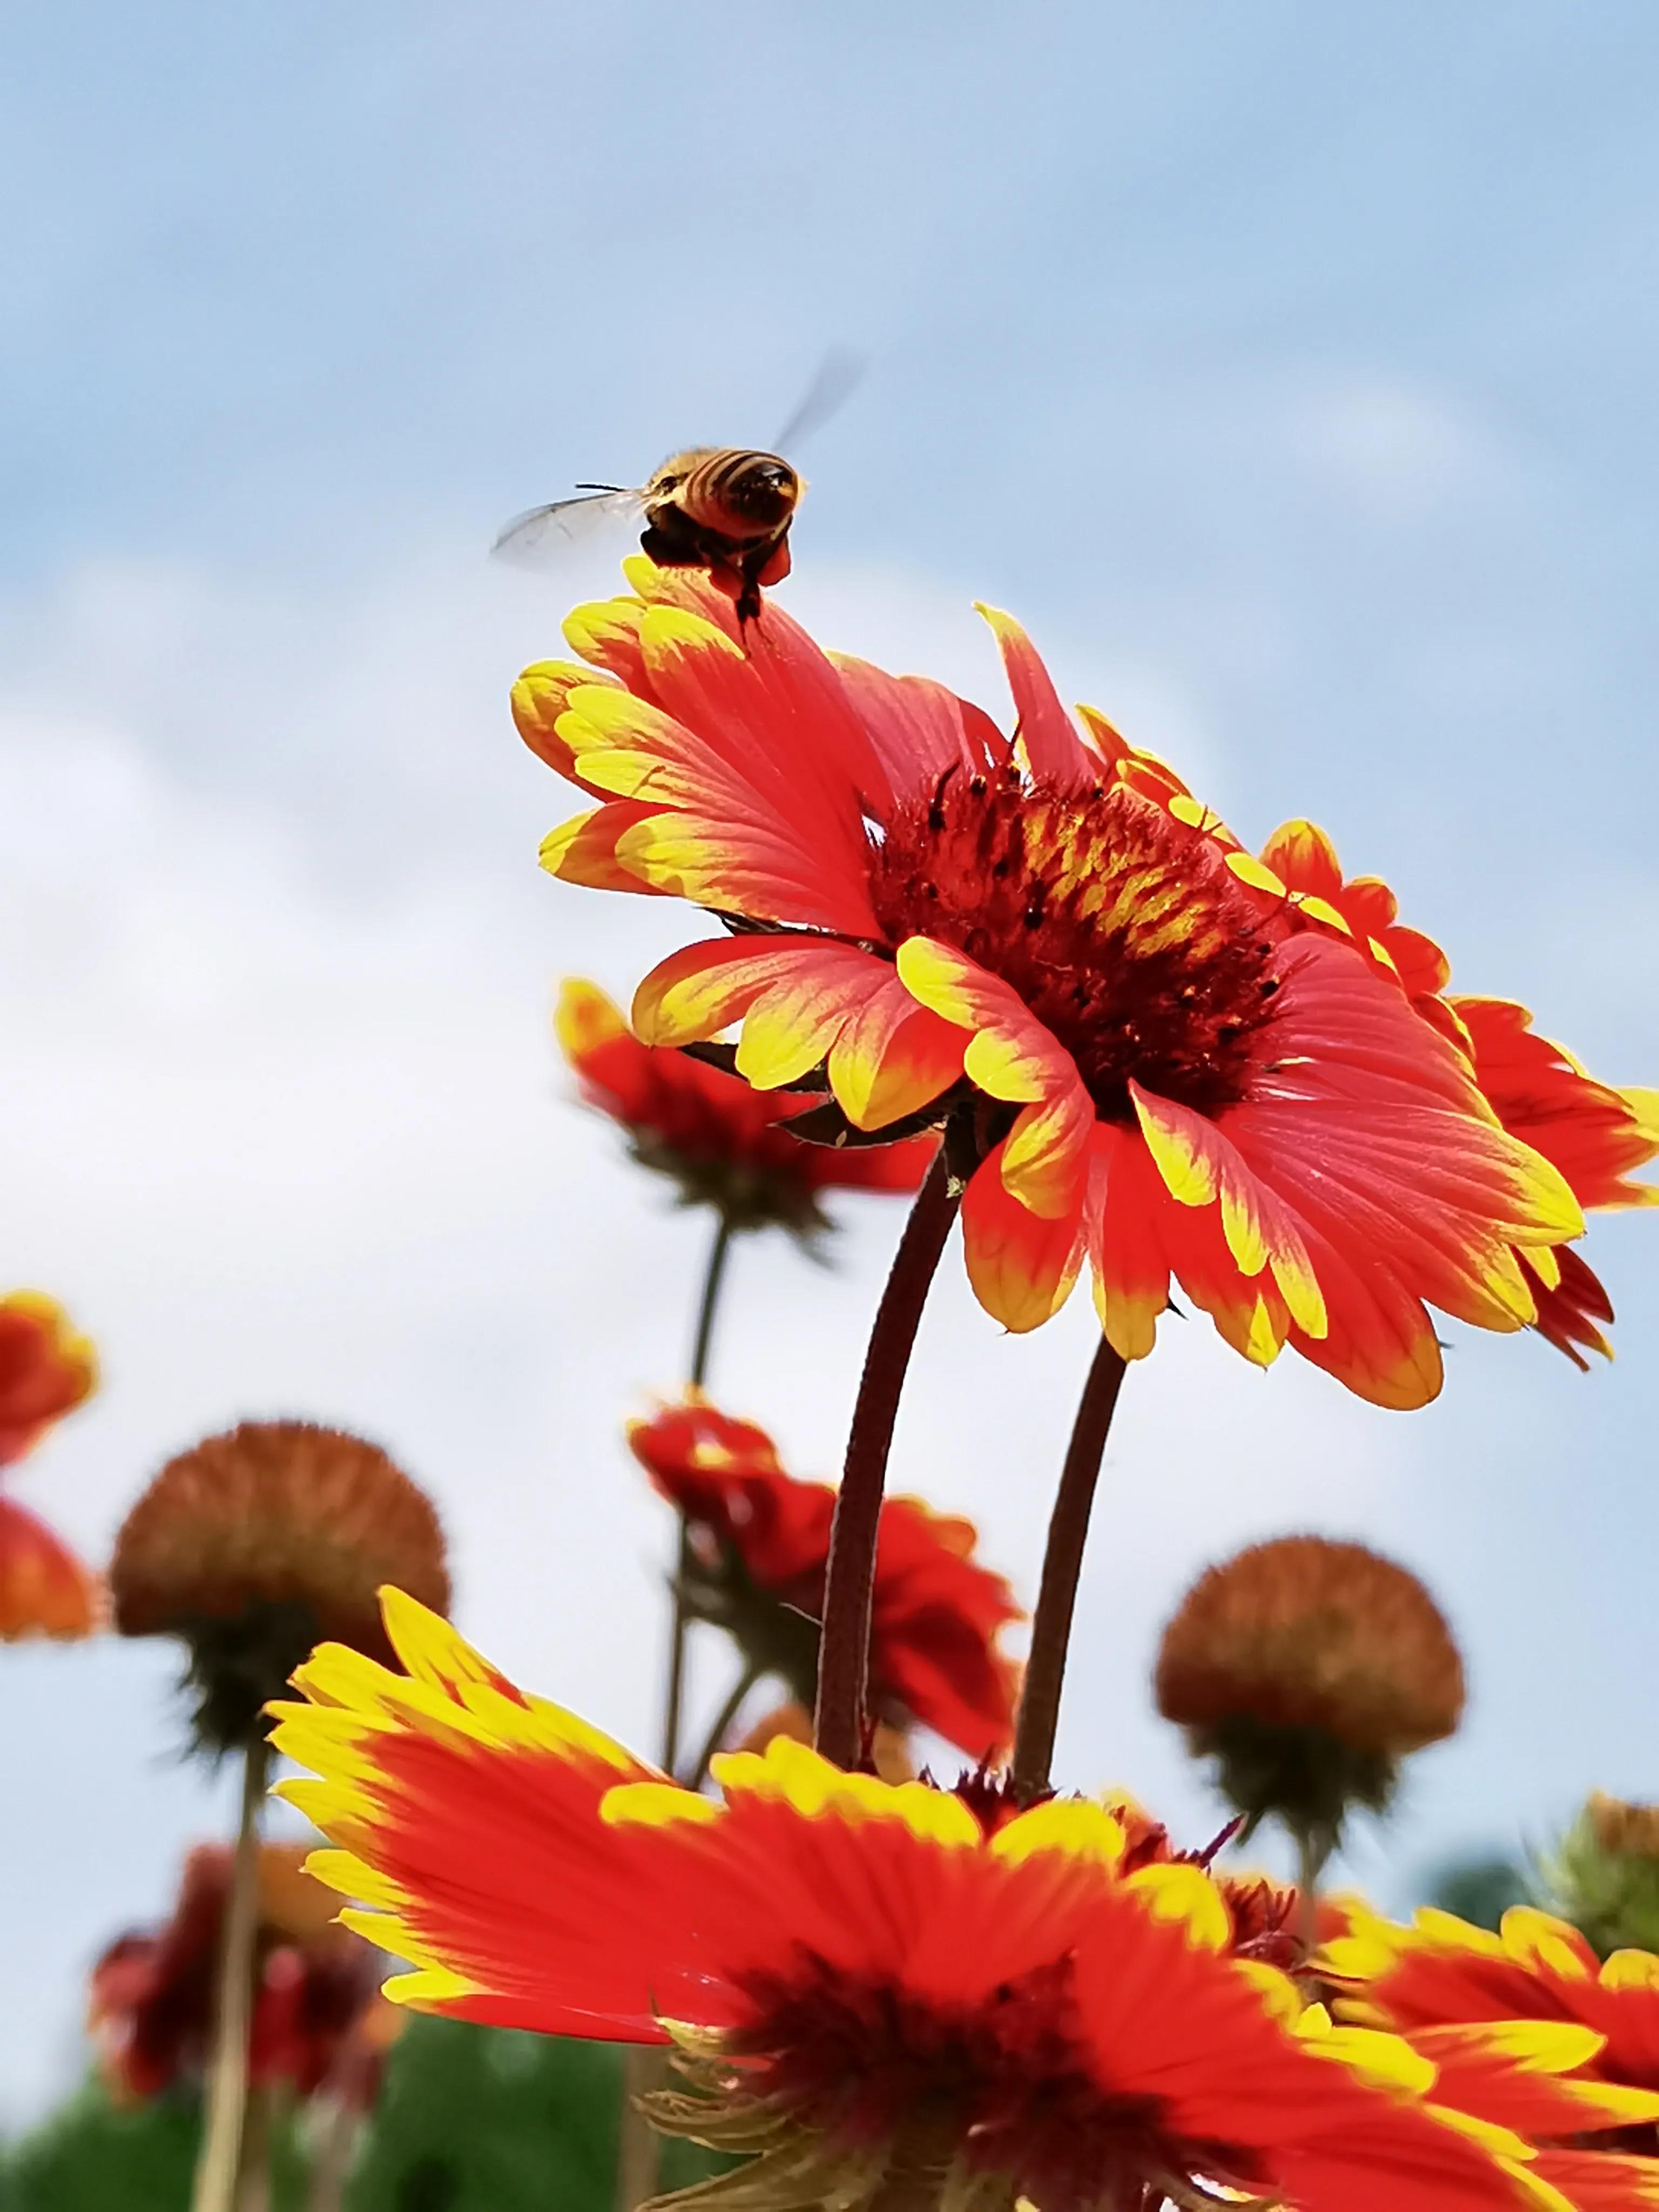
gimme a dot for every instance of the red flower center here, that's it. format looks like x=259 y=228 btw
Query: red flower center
x=1001 y=2086
x=1122 y=930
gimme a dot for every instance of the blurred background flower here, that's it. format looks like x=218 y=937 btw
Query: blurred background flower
x=760 y=1543
x=47 y=1368
x=1308 y=1670
x=722 y=1143
x=252 y=1547
x=318 y=2019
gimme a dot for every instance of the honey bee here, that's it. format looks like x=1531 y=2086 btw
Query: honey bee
x=722 y=508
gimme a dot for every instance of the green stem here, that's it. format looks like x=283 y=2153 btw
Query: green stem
x=219 y=2162
x=674 y=1696
x=843 y=1651
x=723 y=1720
x=1062 y=1565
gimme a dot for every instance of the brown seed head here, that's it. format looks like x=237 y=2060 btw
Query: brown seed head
x=1308 y=1669
x=1632 y=1831
x=259 y=1543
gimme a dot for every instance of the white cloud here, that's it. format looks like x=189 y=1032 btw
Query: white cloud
x=1400 y=452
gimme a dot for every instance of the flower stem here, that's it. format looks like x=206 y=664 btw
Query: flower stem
x=220 y=2158
x=1313 y=1847
x=1062 y=1563
x=723 y=1720
x=337 y=2147
x=713 y=1276
x=637 y=2147
x=253 y=2166
x=674 y=1696
x=639 y=2151
x=844 y=1650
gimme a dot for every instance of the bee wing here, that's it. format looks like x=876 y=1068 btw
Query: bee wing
x=542 y=534
x=838 y=374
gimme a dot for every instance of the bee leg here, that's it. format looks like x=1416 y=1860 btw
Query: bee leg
x=672 y=546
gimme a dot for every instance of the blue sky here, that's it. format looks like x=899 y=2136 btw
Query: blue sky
x=1289 y=372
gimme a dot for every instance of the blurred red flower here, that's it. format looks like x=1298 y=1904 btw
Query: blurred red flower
x=45 y=1590
x=725 y=1144
x=317 y=2015
x=761 y=1544
x=46 y=1369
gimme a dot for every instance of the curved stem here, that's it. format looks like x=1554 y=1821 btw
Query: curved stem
x=713 y=1276
x=723 y=1720
x=220 y=2158
x=844 y=1650
x=674 y=1696
x=1062 y=1563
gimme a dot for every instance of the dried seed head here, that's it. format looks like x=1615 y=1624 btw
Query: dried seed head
x=257 y=1544
x=1308 y=1670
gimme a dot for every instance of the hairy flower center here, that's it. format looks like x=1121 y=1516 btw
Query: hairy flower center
x=1122 y=930
x=1001 y=2089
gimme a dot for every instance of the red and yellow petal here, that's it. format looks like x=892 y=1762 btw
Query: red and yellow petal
x=1127 y=1255
x=1600 y=2180
x=1304 y=860
x=730 y=829
x=801 y=1001
x=922 y=730
x=892 y=1057
x=1529 y=2075
x=1021 y=1265
x=1045 y=736
x=1011 y=1055
x=448 y=1796
x=1201 y=1167
x=48 y=1368
x=538 y=699
x=45 y=1590
x=584 y=849
x=1571 y=1309
x=1595 y=1134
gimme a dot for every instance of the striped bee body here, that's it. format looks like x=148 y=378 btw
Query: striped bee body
x=727 y=510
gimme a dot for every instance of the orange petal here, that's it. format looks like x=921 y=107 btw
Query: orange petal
x=586 y=1020
x=1304 y=858
x=892 y=1058
x=539 y=698
x=1022 y=1266
x=702 y=989
x=1130 y=1265
x=584 y=849
x=794 y=1023
x=1198 y=1164
x=44 y=1589
x=1045 y=1161
x=921 y=729
x=1046 y=735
